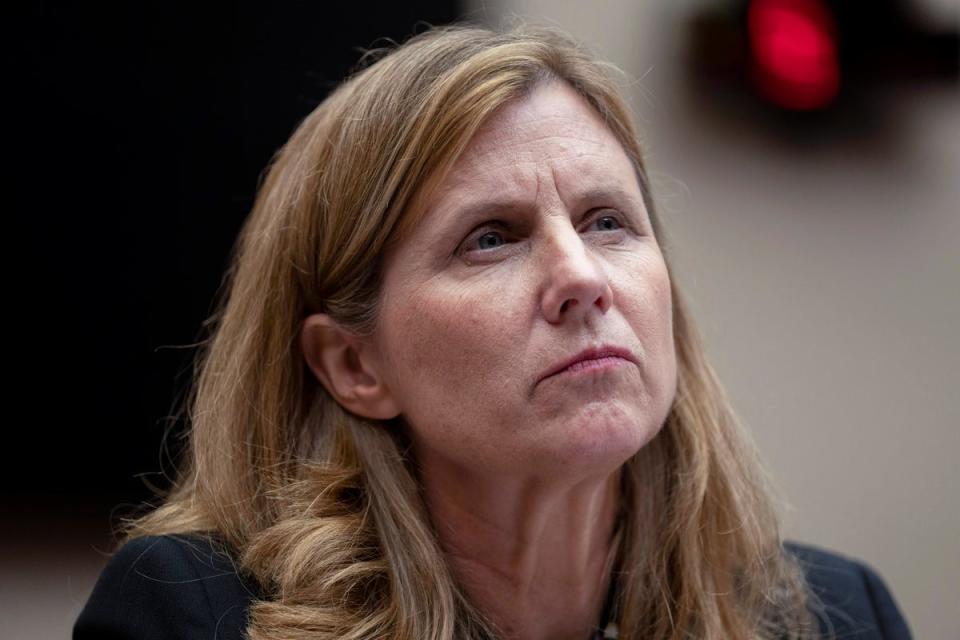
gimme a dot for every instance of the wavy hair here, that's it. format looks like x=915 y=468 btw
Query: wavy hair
x=323 y=507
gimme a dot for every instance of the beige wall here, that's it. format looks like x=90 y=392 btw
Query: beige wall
x=827 y=284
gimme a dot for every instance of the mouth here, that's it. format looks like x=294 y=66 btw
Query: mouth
x=591 y=359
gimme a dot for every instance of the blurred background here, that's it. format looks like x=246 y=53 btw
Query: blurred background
x=806 y=160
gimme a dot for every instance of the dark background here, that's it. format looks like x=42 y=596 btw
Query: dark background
x=139 y=133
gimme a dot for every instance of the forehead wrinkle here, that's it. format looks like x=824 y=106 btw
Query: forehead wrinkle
x=476 y=176
x=527 y=184
x=491 y=160
x=592 y=177
x=481 y=168
x=500 y=132
x=463 y=195
x=536 y=194
x=494 y=149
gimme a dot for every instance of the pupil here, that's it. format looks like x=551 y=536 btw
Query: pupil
x=607 y=222
x=489 y=240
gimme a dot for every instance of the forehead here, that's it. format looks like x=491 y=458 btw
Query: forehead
x=552 y=129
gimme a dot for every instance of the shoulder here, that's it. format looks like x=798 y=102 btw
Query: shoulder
x=850 y=598
x=181 y=586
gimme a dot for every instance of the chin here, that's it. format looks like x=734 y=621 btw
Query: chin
x=601 y=438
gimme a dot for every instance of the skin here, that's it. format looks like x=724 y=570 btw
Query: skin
x=535 y=246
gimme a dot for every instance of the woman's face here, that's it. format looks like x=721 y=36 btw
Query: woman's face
x=534 y=248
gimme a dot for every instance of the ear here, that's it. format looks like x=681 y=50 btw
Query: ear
x=347 y=368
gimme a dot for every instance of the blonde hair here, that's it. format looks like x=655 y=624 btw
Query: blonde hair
x=322 y=506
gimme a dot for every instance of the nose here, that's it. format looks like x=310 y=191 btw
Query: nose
x=575 y=284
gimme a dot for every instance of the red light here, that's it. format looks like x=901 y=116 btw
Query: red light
x=794 y=52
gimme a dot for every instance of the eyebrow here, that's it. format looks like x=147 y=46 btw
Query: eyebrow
x=484 y=209
x=603 y=192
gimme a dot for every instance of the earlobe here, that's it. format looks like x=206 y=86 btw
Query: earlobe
x=341 y=362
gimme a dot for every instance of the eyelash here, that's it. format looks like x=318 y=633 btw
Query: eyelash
x=494 y=224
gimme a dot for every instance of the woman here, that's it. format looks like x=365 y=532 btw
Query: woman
x=452 y=392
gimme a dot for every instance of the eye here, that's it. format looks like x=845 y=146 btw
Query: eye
x=607 y=223
x=489 y=240
x=486 y=237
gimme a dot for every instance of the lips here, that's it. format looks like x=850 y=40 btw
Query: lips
x=595 y=353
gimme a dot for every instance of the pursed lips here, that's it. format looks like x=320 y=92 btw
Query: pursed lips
x=594 y=353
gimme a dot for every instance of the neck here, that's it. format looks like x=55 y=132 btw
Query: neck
x=533 y=555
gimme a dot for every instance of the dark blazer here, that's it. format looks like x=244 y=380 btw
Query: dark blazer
x=171 y=587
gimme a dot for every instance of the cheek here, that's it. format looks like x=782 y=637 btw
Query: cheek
x=448 y=349
x=642 y=292
x=647 y=303
x=668 y=358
